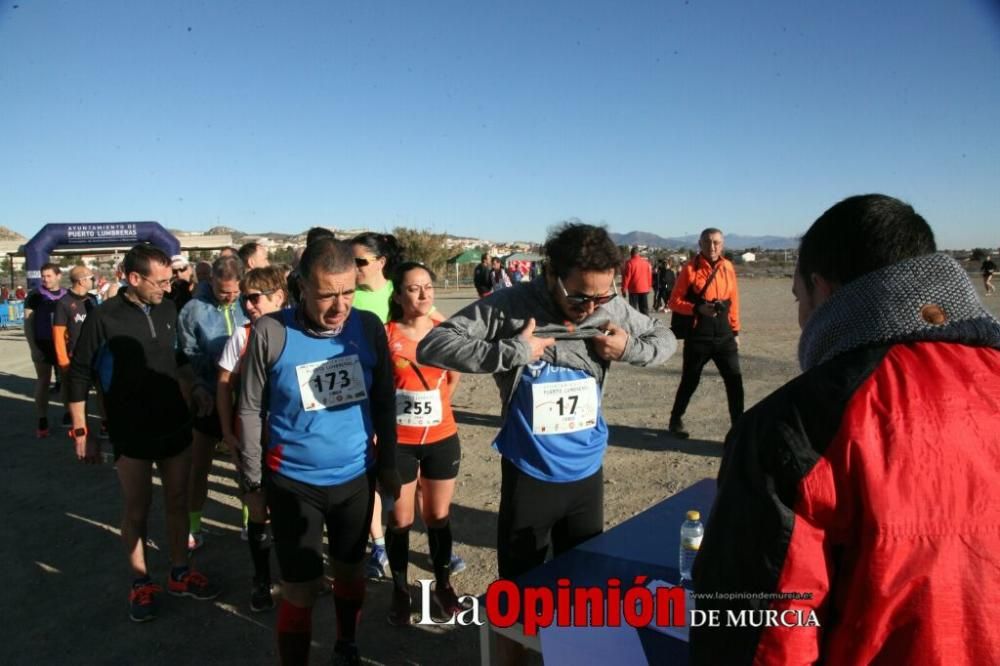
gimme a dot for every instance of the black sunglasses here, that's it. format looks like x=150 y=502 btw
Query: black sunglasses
x=255 y=298
x=580 y=300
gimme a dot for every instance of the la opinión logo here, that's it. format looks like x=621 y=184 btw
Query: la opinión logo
x=637 y=605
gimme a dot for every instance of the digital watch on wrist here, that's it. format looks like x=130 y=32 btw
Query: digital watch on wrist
x=77 y=432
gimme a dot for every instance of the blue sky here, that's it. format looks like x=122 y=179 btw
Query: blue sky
x=498 y=120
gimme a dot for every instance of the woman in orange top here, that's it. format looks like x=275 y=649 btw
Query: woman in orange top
x=428 y=441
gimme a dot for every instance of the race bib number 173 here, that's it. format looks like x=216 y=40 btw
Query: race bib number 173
x=333 y=383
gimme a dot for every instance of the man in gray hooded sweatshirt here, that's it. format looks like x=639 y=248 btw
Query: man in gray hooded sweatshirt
x=549 y=344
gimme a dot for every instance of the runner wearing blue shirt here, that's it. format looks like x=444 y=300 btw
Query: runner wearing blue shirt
x=319 y=378
x=549 y=344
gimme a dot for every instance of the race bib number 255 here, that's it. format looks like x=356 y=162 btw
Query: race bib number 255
x=333 y=383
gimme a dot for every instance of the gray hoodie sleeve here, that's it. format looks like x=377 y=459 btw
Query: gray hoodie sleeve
x=479 y=338
x=267 y=339
x=650 y=342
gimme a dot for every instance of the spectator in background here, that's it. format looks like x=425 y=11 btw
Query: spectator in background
x=481 y=276
x=229 y=251
x=498 y=276
x=181 y=284
x=39 y=312
x=203 y=272
x=253 y=255
x=20 y=294
x=988 y=269
x=706 y=289
x=637 y=281
x=664 y=283
x=865 y=491
x=110 y=288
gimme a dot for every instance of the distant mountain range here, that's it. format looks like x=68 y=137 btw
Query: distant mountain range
x=733 y=241
x=8 y=235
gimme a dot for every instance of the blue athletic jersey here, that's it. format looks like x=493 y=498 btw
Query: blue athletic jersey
x=558 y=456
x=318 y=411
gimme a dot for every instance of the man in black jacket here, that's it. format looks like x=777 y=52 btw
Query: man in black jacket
x=128 y=345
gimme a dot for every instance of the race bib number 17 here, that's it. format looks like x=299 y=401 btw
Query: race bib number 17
x=333 y=383
x=561 y=407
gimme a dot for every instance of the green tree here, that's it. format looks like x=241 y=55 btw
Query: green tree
x=281 y=255
x=424 y=246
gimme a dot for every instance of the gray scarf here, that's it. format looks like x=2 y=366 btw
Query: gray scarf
x=921 y=299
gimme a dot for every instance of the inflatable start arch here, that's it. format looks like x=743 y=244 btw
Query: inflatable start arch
x=92 y=234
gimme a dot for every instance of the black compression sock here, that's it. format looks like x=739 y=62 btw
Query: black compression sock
x=439 y=539
x=260 y=551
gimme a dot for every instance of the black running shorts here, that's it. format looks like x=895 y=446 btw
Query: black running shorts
x=299 y=512
x=437 y=461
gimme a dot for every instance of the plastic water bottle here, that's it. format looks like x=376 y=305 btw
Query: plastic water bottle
x=691 y=533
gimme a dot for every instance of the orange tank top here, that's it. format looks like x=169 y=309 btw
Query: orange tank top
x=423 y=395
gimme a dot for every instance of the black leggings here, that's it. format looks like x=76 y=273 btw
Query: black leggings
x=535 y=512
x=725 y=355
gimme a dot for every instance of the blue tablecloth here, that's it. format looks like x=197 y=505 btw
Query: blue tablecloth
x=646 y=544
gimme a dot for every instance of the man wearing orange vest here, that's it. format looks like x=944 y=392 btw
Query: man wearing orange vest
x=706 y=289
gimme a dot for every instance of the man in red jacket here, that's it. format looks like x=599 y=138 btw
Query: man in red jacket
x=637 y=281
x=857 y=518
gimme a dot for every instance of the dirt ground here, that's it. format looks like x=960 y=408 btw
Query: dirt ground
x=65 y=576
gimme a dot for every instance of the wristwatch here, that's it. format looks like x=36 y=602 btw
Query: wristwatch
x=77 y=432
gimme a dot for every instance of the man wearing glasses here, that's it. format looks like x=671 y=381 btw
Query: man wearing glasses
x=203 y=327
x=128 y=346
x=550 y=344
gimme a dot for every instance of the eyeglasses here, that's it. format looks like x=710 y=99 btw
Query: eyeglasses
x=162 y=284
x=579 y=300
x=253 y=299
x=178 y=271
x=361 y=262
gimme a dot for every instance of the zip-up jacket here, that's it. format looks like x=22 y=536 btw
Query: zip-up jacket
x=691 y=279
x=203 y=327
x=637 y=278
x=868 y=487
x=132 y=354
x=483 y=337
